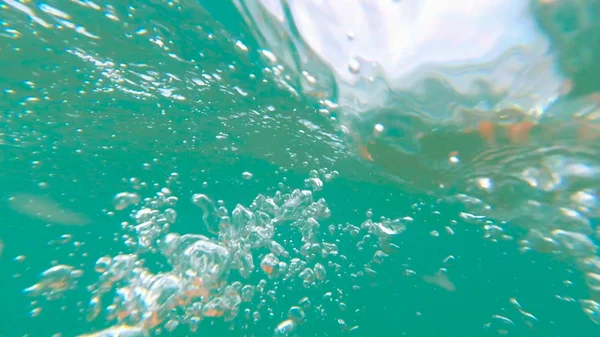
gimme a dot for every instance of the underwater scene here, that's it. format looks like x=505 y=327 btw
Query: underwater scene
x=413 y=168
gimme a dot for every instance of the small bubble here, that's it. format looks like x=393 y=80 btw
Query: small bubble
x=269 y=56
x=102 y=264
x=247 y=293
x=241 y=46
x=296 y=314
x=247 y=175
x=94 y=308
x=124 y=200
x=354 y=66
x=304 y=302
x=285 y=328
x=35 y=312
x=453 y=159
x=319 y=272
x=171 y=325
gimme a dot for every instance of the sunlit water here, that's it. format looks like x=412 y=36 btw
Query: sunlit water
x=249 y=168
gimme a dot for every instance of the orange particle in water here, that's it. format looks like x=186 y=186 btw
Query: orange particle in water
x=198 y=291
x=152 y=321
x=213 y=313
x=588 y=132
x=566 y=87
x=487 y=131
x=364 y=153
x=594 y=96
x=519 y=133
x=268 y=269
x=122 y=315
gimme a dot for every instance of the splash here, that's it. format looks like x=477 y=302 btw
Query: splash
x=481 y=104
x=533 y=166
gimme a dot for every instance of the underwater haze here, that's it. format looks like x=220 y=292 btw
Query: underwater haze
x=299 y=168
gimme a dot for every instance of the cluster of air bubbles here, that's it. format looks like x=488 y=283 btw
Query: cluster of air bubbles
x=213 y=276
x=55 y=281
x=209 y=276
x=316 y=179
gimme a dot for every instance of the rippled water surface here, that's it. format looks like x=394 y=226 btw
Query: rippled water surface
x=287 y=168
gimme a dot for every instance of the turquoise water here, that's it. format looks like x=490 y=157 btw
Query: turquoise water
x=103 y=99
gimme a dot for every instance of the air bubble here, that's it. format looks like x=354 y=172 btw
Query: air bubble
x=285 y=328
x=354 y=66
x=124 y=200
x=296 y=314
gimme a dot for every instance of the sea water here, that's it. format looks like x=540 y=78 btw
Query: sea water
x=262 y=168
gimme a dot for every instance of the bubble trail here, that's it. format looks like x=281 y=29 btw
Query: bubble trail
x=207 y=277
x=54 y=282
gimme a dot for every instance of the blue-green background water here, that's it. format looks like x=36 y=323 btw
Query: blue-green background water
x=124 y=136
